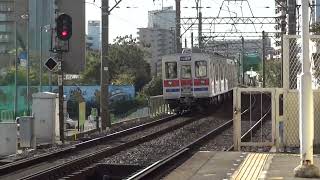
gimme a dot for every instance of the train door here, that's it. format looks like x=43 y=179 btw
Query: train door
x=201 y=80
x=171 y=84
x=186 y=79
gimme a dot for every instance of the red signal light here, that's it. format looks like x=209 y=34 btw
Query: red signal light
x=64 y=33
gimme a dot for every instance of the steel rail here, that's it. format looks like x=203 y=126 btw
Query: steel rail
x=70 y=166
x=162 y=167
x=24 y=163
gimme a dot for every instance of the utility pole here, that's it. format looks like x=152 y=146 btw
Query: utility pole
x=306 y=112
x=61 y=98
x=40 y=60
x=200 y=30
x=185 y=43
x=242 y=58
x=178 y=31
x=104 y=78
x=191 y=40
x=263 y=60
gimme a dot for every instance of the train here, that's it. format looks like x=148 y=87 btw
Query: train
x=197 y=79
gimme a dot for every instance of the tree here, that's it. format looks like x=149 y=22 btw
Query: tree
x=126 y=57
x=273 y=73
x=91 y=75
x=154 y=87
x=126 y=64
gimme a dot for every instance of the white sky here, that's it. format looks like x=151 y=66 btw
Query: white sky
x=124 y=21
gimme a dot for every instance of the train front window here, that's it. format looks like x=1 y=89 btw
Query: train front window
x=201 y=69
x=186 y=72
x=171 y=70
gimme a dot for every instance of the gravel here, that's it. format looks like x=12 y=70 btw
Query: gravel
x=56 y=147
x=154 y=150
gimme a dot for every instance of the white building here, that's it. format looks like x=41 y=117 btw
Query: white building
x=158 y=38
x=94 y=35
x=157 y=42
x=162 y=19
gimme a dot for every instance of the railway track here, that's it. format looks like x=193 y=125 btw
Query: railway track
x=54 y=168
x=167 y=164
x=76 y=168
x=17 y=168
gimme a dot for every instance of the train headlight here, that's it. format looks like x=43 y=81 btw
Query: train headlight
x=170 y=83
x=202 y=81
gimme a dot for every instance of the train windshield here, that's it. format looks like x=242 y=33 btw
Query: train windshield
x=201 y=69
x=171 y=70
x=186 y=72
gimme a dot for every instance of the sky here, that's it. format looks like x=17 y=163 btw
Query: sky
x=125 y=21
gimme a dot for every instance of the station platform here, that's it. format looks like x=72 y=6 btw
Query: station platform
x=212 y=165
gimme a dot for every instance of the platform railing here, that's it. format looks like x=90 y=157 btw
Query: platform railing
x=158 y=106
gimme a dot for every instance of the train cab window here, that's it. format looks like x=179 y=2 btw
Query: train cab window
x=201 y=69
x=186 y=72
x=171 y=70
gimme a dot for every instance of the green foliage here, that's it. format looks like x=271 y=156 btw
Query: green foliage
x=273 y=73
x=91 y=74
x=126 y=64
x=125 y=107
x=154 y=87
x=315 y=28
x=126 y=57
x=9 y=76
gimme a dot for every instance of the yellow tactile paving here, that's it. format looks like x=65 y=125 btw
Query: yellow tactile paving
x=251 y=167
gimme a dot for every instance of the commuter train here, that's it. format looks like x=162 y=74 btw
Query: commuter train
x=197 y=79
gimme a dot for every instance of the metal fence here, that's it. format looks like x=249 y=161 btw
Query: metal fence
x=254 y=108
x=292 y=59
x=291 y=118
x=158 y=106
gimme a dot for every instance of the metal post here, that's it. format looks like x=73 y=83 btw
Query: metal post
x=191 y=40
x=200 y=30
x=105 y=120
x=242 y=58
x=60 y=84
x=28 y=66
x=15 y=67
x=263 y=60
x=306 y=116
x=185 y=43
x=40 y=61
x=178 y=32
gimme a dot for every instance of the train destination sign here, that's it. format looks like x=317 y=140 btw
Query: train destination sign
x=185 y=58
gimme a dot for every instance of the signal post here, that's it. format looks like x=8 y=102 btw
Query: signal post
x=61 y=45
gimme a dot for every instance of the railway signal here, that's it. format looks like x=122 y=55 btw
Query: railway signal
x=64 y=27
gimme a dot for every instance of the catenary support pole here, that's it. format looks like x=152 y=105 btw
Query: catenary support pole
x=61 y=98
x=242 y=58
x=263 y=59
x=40 y=60
x=105 y=120
x=306 y=119
x=178 y=32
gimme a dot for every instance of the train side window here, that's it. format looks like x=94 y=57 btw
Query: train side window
x=186 y=72
x=171 y=70
x=201 y=69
